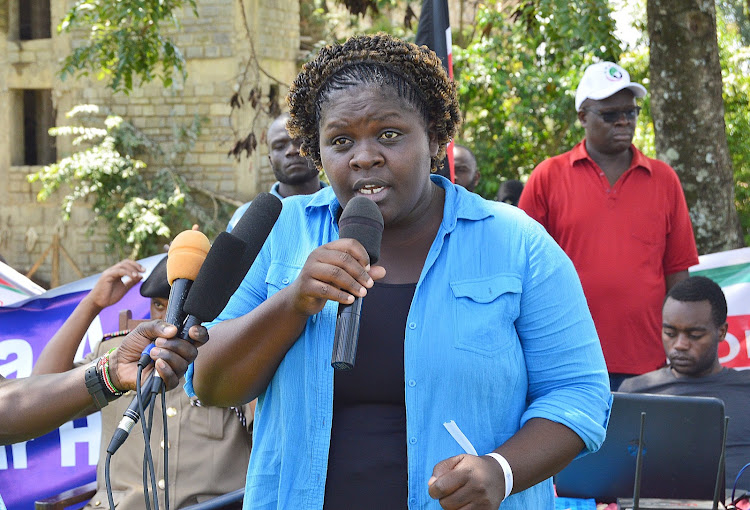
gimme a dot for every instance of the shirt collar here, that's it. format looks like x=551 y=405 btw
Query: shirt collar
x=275 y=188
x=639 y=160
x=460 y=204
x=323 y=198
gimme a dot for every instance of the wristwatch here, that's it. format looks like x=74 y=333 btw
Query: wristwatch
x=95 y=387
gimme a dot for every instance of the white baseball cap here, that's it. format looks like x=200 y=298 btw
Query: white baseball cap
x=604 y=79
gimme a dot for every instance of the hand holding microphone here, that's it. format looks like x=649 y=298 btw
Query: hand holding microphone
x=336 y=271
x=185 y=258
x=176 y=353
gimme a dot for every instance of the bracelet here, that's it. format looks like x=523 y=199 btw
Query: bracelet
x=106 y=378
x=507 y=472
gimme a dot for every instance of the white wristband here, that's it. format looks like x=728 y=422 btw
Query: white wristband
x=507 y=472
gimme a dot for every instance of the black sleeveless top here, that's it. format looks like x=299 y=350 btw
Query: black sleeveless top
x=367 y=464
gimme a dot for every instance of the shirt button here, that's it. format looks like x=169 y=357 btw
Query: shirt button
x=160 y=484
x=285 y=281
x=171 y=412
x=412 y=325
x=413 y=501
x=412 y=382
x=413 y=440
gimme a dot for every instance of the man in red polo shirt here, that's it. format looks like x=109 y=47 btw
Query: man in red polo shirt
x=622 y=219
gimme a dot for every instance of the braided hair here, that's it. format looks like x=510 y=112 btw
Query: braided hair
x=413 y=72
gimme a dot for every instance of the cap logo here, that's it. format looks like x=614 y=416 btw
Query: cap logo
x=613 y=74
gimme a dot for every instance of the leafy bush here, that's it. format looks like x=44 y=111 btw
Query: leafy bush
x=141 y=208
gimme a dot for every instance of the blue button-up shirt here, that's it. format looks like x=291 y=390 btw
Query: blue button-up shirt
x=498 y=333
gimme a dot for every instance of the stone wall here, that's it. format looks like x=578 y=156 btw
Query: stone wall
x=217 y=45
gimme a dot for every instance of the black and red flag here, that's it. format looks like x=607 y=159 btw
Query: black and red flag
x=434 y=31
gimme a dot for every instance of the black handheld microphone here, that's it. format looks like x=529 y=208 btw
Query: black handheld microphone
x=361 y=220
x=229 y=261
x=186 y=255
x=219 y=277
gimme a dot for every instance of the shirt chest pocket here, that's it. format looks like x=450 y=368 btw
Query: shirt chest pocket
x=280 y=276
x=485 y=310
x=207 y=422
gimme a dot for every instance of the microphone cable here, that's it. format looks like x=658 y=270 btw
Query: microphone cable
x=146 y=433
x=734 y=486
x=149 y=470
x=148 y=461
x=165 y=438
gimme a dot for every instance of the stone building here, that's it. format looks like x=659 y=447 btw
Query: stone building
x=217 y=44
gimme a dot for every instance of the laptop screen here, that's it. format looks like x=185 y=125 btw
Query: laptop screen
x=681 y=450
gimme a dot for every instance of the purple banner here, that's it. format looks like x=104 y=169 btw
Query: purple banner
x=66 y=457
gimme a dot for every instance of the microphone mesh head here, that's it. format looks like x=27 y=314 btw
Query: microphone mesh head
x=219 y=277
x=258 y=220
x=362 y=220
x=186 y=255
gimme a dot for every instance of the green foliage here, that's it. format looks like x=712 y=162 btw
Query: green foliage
x=141 y=208
x=517 y=80
x=734 y=51
x=736 y=17
x=125 y=40
x=636 y=62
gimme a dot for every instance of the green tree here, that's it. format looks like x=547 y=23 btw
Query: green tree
x=734 y=52
x=142 y=206
x=734 y=55
x=125 y=40
x=688 y=110
x=517 y=78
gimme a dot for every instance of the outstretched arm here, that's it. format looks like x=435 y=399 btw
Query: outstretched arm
x=59 y=352
x=36 y=405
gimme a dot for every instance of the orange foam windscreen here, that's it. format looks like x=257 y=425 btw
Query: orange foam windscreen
x=186 y=255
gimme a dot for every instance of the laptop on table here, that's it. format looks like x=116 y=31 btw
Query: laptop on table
x=681 y=451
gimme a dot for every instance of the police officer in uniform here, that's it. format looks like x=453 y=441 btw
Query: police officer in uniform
x=209 y=447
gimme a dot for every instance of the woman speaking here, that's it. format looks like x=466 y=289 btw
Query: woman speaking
x=474 y=328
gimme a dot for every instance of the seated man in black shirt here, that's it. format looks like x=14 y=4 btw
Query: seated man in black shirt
x=694 y=321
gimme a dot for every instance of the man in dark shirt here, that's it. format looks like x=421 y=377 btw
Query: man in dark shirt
x=694 y=321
